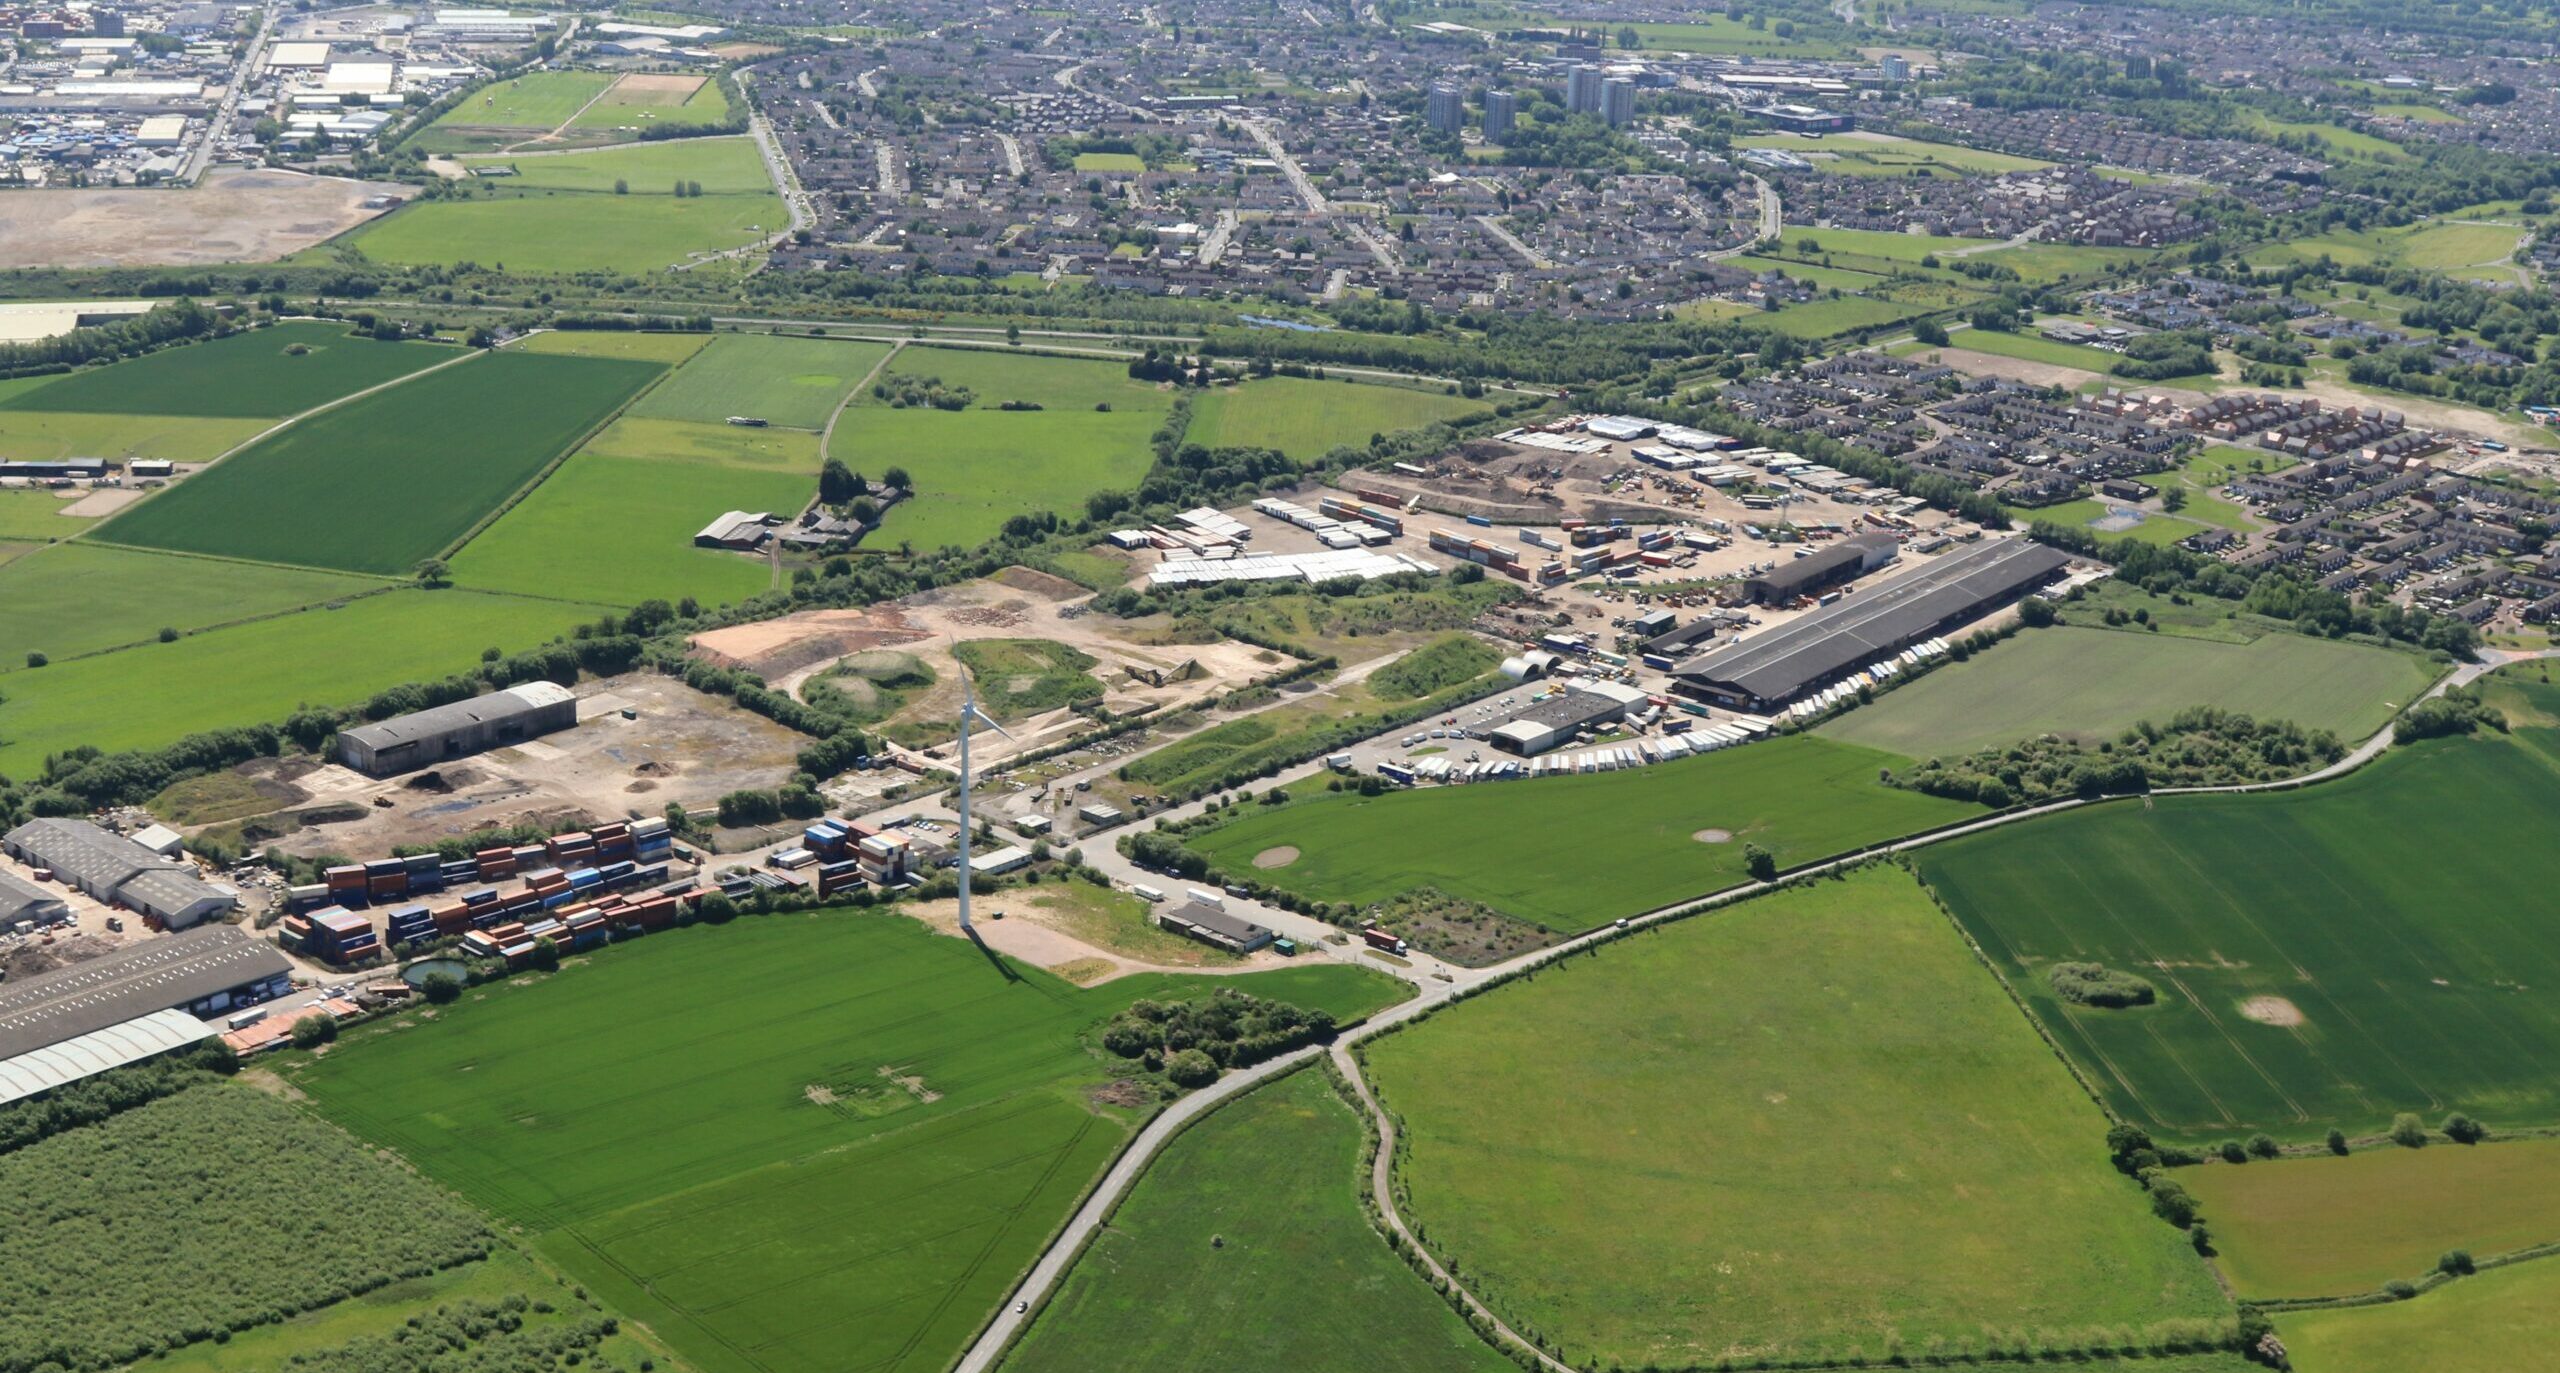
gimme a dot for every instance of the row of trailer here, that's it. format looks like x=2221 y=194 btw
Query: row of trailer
x=1699 y=737
x=1875 y=674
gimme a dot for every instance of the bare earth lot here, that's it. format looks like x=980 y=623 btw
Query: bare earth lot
x=235 y=216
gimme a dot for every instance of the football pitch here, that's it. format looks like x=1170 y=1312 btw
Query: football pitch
x=2325 y=957
x=819 y=1141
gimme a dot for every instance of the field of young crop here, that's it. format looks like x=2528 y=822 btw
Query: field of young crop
x=265 y=1210
x=2337 y=1227
x=2506 y=1318
x=615 y=523
x=151 y=695
x=379 y=484
x=1805 y=1126
x=1305 y=419
x=2324 y=958
x=976 y=468
x=878 y=1126
x=724 y=166
x=256 y=374
x=2093 y=683
x=569 y=231
x=793 y=383
x=1575 y=852
x=82 y=597
x=1298 y=1278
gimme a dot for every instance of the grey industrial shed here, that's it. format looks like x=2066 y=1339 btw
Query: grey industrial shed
x=21 y=900
x=1840 y=561
x=117 y=870
x=424 y=738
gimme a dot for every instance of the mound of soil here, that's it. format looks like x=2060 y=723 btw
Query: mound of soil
x=2272 y=1010
x=1280 y=857
x=1713 y=836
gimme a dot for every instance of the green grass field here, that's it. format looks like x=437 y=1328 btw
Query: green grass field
x=650 y=346
x=724 y=166
x=2473 y=250
x=1305 y=419
x=615 y=523
x=568 y=231
x=1811 y=273
x=36 y=516
x=1876 y=243
x=1801 y=1127
x=151 y=695
x=398 y=476
x=1275 y=1178
x=974 y=469
x=1887 y=155
x=795 y=383
x=1576 y=852
x=49 y=436
x=2033 y=348
x=1715 y=33
x=82 y=597
x=2335 y=1227
x=2156 y=528
x=2096 y=683
x=2507 y=1318
x=1820 y=319
x=249 y=375
x=626 y=108
x=1124 y=163
x=2396 y=914
x=816 y=1141
x=535 y=102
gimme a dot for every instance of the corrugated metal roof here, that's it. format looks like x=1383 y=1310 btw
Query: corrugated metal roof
x=154 y=975
x=131 y=1041
x=436 y=720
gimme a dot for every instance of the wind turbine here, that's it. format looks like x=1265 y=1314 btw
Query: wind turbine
x=969 y=713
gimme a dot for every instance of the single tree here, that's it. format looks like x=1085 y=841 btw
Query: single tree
x=443 y=989
x=2408 y=1132
x=433 y=572
x=546 y=955
x=1759 y=862
x=312 y=1031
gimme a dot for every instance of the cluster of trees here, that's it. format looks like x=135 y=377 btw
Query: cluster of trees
x=2169 y=353
x=93 y=1099
x=2096 y=984
x=2284 y=595
x=190 y=1184
x=2459 y=711
x=511 y=1335
x=2200 y=746
x=170 y=322
x=903 y=390
x=1191 y=1042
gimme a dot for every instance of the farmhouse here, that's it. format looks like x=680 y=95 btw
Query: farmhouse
x=1214 y=927
x=1768 y=670
x=118 y=871
x=63 y=1025
x=1553 y=722
x=407 y=742
x=1814 y=573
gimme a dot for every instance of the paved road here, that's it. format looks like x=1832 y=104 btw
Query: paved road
x=220 y=124
x=1773 y=222
x=1298 y=178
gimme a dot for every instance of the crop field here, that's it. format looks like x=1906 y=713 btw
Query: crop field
x=615 y=523
x=1805 y=1126
x=1888 y=155
x=36 y=516
x=878 y=1127
x=191 y=1183
x=49 y=436
x=795 y=383
x=1275 y=1178
x=83 y=597
x=976 y=468
x=249 y=375
x=244 y=674
x=2334 y=1227
x=2506 y=1318
x=1580 y=851
x=2324 y=957
x=2091 y=684
x=379 y=484
x=654 y=102
x=1305 y=419
x=724 y=166
x=569 y=231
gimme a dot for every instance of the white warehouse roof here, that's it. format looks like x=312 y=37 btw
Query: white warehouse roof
x=95 y=1052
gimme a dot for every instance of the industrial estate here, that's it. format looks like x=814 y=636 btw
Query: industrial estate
x=750 y=687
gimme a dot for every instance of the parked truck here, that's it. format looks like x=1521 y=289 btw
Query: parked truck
x=1383 y=940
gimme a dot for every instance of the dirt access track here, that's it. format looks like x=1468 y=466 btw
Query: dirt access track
x=1017 y=603
x=237 y=215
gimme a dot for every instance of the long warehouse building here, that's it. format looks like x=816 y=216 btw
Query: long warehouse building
x=116 y=870
x=60 y=1026
x=1769 y=670
x=424 y=738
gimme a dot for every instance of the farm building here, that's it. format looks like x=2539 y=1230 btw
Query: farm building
x=118 y=871
x=407 y=742
x=1815 y=573
x=1768 y=670
x=23 y=900
x=63 y=1025
x=1214 y=927
x=739 y=531
x=1553 y=722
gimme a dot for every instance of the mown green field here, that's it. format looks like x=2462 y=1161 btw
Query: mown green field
x=248 y=375
x=645 y=346
x=2091 y=683
x=626 y=109
x=151 y=695
x=1129 y=163
x=83 y=597
x=568 y=231
x=1305 y=419
x=1876 y=243
x=49 y=436
x=724 y=166
x=1887 y=155
x=2506 y=1318
x=1818 y=319
x=1297 y=1280
x=2336 y=1227
x=615 y=523
x=535 y=102
x=2398 y=914
x=1803 y=1127
x=976 y=468
x=2033 y=348
x=376 y=485
x=795 y=383
x=36 y=516
x=815 y=1141
x=1575 y=852
x=1717 y=33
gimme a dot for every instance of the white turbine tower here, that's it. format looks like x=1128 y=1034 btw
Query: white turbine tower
x=970 y=716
